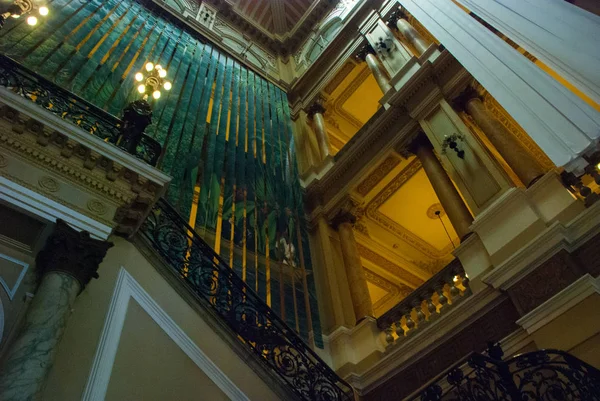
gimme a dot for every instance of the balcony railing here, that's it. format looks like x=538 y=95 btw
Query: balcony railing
x=436 y=296
x=71 y=108
x=539 y=375
x=256 y=326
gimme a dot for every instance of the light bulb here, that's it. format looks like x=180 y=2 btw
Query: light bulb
x=156 y=94
x=162 y=73
x=598 y=166
x=44 y=11
x=142 y=88
x=158 y=67
x=167 y=85
x=15 y=16
x=31 y=20
x=149 y=67
x=139 y=77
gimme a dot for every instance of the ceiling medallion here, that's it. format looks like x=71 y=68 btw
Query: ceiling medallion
x=436 y=207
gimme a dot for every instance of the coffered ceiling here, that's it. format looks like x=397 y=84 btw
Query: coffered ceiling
x=275 y=16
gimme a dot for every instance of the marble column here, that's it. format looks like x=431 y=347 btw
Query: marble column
x=367 y=54
x=357 y=281
x=315 y=112
x=522 y=163
x=409 y=32
x=453 y=204
x=67 y=263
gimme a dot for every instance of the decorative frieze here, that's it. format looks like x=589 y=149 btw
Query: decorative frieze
x=64 y=165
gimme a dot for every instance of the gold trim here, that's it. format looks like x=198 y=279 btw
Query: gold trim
x=406 y=235
x=339 y=77
x=402 y=274
x=375 y=177
x=505 y=119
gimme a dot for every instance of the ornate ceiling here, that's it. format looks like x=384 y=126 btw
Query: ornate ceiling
x=402 y=242
x=275 y=16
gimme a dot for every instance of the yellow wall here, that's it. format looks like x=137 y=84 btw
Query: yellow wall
x=576 y=331
x=77 y=349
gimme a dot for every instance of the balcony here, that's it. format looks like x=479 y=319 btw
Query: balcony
x=63 y=156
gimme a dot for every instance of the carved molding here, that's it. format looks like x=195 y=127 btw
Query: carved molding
x=387 y=223
x=338 y=104
x=372 y=256
x=89 y=168
x=511 y=125
x=339 y=77
x=375 y=177
x=393 y=291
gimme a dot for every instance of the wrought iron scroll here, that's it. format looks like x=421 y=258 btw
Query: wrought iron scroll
x=256 y=325
x=540 y=375
x=70 y=107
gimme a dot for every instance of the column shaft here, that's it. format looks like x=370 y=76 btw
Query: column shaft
x=359 y=291
x=67 y=263
x=321 y=133
x=31 y=355
x=455 y=208
x=525 y=166
x=378 y=74
x=411 y=34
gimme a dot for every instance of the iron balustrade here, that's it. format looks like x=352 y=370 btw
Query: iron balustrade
x=258 y=328
x=539 y=375
x=70 y=107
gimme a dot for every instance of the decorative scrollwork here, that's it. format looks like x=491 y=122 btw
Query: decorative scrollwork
x=71 y=108
x=546 y=375
x=255 y=324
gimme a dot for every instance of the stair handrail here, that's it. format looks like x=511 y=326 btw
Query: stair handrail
x=208 y=276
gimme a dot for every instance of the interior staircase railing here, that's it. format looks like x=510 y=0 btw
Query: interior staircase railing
x=539 y=375
x=257 y=327
x=72 y=108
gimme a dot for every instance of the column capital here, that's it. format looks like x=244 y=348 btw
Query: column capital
x=362 y=53
x=343 y=216
x=73 y=253
x=349 y=211
x=316 y=107
x=420 y=140
x=468 y=94
x=395 y=16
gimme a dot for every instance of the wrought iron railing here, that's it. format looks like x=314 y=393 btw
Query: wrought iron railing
x=540 y=375
x=259 y=329
x=441 y=292
x=70 y=107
